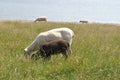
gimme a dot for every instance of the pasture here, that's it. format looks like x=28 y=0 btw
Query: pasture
x=95 y=52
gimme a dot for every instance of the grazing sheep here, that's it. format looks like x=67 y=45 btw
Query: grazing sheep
x=54 y=34
x=53 y=47
x=84 y=22
x=41 y=19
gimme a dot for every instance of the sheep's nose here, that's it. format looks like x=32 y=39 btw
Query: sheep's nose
x=26 y=55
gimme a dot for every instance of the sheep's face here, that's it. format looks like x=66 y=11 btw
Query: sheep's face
x=26 y=53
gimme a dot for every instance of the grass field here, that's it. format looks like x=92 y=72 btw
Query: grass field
x=95 y=52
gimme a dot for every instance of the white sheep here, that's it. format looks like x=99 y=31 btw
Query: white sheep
x=54 y=34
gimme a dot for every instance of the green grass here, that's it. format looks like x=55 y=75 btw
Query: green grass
x=95 y=52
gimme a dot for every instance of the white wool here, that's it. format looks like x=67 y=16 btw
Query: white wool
x=54 y=34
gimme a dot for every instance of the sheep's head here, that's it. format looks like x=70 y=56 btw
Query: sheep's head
x=26 y=53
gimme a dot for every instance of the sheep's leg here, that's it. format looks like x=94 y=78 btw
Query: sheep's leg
x=69 y=51
x=46 y=58
x=65 y=54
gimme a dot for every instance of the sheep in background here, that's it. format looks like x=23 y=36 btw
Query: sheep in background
x=51 y=48
x=84 y=22
x=41 y=19
x=54 y=34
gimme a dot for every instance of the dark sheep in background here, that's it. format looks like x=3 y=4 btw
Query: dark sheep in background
x=41 y=19
x=84 y=22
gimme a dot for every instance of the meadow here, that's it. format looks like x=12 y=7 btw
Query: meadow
x=95 y=52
